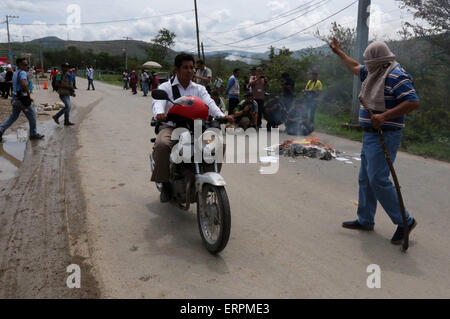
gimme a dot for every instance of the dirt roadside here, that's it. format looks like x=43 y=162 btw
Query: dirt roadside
x=42 y=221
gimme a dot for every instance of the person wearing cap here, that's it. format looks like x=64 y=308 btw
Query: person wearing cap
x=259 y=85
x=20 y=93
x=312 y=93
x=64 y=85
x=388 y=91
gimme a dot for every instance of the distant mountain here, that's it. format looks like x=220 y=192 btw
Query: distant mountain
x=134 y=48
x=115 y=47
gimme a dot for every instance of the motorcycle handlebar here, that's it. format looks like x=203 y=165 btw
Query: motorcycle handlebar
x=220 y=120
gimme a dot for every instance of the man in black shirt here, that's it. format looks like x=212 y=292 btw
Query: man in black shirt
x=8 y=82
x=288 y=89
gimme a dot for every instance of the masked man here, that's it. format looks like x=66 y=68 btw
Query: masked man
x=389 y=92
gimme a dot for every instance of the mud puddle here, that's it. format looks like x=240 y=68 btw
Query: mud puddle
x=12 y=151
x=14 y=145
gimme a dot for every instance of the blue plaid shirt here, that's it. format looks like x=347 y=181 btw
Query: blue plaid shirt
x=397 y=89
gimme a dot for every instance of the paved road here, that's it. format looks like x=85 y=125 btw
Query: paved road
x=286 y=236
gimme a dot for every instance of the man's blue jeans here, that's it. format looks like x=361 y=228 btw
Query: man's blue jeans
x=29 y=113
x=374 y=182
x=145 y=88
x=90 y=82
x=66 y=109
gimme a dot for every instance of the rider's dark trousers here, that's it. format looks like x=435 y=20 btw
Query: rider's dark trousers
x=161 y=155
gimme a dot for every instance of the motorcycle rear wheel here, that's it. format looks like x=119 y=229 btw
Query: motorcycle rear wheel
x=214 y=217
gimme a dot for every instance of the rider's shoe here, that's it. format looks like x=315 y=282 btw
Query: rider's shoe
x=166 y=193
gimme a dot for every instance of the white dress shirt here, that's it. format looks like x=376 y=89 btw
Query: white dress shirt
x=193 y=89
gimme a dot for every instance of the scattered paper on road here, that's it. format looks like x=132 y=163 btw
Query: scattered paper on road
x=268 y=159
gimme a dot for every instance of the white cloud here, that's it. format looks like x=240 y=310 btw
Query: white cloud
x=278 y=6
x=17 y=6
x=214 y=16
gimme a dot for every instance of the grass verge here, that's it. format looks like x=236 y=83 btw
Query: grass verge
x=437 y=147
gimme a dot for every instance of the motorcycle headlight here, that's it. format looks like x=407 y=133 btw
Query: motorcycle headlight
x=208 y=139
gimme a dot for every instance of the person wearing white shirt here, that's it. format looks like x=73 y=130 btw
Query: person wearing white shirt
x=184 y=68
x=90 y=76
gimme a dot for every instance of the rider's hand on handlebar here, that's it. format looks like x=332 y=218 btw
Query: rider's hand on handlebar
x=161 y=117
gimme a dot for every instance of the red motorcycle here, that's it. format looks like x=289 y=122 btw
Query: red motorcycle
x=199 y=183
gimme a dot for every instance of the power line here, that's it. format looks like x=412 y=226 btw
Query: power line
x=274 y=18
x=318 y=5
x=301 y=31
x=104 y=22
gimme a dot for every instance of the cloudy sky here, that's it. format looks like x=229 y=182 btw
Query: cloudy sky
x=231 y=24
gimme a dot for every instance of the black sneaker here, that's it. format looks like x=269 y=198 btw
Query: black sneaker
x=356 y=225
x=1 y=134
x=397 y=239
x=37 y=137
x=68 y=123
x=55 y=119
x=166 y=193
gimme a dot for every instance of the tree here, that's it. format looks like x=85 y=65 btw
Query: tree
x=283 y=51
x=435 y=12
x=437 y=15
x=283 y=62
x=160 y=45
x=346 y=36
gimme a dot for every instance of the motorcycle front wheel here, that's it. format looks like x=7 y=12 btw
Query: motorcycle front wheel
x=214 y=217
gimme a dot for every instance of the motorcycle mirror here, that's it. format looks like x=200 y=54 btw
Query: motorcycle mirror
x=160 y=95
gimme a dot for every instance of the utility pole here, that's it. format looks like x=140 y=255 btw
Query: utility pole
x=203 y=54
x=9 y=41
x=41 y=57
x=362 y=40
x=196 y=23
x=126 y=52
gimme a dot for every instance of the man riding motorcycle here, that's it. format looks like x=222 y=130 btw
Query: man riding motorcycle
x=180 y=85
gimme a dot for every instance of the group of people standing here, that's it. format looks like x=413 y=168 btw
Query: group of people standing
x=287 y=109
x=72 y=74
x=6 y=75
x=146 y=81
